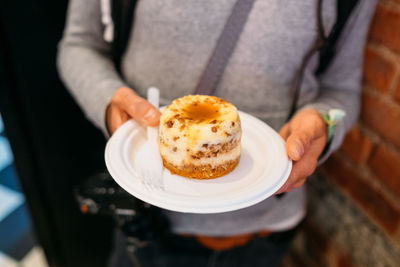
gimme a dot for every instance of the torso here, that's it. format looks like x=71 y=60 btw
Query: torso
x=172 y=42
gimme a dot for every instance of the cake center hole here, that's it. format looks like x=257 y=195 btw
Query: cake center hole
x=201 y=111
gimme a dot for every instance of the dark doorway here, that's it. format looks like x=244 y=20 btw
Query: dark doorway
x=54 y=146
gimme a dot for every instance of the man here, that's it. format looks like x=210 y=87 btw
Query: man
x=169 y=47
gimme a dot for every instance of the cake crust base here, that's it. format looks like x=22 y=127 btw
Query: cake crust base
x=202 y=171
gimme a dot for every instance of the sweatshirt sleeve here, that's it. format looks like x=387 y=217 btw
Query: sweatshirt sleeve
x=340 y=85
x=84 y=61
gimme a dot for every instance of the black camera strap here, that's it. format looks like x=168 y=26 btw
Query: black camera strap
x=224 y=48
x=325 y=45
x=122 y=14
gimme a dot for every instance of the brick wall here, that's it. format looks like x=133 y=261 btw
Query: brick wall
x=354 y=199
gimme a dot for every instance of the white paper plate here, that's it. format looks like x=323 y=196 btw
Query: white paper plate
x=263 y=169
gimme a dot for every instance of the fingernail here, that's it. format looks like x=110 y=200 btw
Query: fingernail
x=149 y=114
x=299 y=149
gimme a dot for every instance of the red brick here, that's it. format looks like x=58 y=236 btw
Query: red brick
x=397 y=95
x=385 y=27
x=382 y=117
x=344 y=261
x=379 y=72
x=356 y=146
x=373 y=202
x=386 y=165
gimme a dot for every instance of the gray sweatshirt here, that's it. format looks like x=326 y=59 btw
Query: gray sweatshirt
x=169 y=47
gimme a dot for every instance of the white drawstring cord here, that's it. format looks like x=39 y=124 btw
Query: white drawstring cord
x=106 y=19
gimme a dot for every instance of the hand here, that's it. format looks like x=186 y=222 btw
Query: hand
x=126 y=104
x=305 y=135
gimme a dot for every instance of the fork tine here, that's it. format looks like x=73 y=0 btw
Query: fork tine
x=145 y=181
x=149 y=179
x=148 y=187
x=155 y=182
x=143 y=178
x=158 y=183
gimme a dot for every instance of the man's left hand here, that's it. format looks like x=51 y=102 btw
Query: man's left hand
x=305 y=135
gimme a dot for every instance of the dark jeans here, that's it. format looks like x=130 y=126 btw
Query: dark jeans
x=180 y=251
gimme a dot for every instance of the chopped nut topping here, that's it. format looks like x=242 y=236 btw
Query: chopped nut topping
x=200 y=154
x=175 y=149
x=233 y=123
x=214 y=129
x=170 y=124
x=175 y=138
x=205 y=145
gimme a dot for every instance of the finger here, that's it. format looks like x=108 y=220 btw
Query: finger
x=304 y=167
x=307 y=164
x=303 y=134
x=295 y=180
x=290 y=180
x=287 y=187
x=299 y=183
x=306 y=126
x=140 y=109
x=117 y=117
x=284 y=131
x=282 y=189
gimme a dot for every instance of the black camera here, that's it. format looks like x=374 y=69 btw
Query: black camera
x=138 y=220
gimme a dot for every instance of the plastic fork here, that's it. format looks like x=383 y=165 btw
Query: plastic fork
x=149 y=158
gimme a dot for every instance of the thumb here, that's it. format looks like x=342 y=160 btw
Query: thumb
x=140 y=109
x=146 y=113
x=297 y=143
x=306 y=126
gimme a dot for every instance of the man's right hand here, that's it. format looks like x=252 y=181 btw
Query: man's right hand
x=126 y=104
